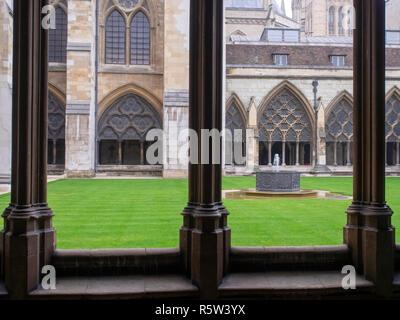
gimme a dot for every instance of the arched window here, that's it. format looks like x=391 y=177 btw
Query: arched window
x=393 y=130
x=285 y=129
x=340 y=22
x=350 y=22
x=235 y=124
x=339 y=133
x=115 y=38
x=140 y=40
x=58 y=38
x=122 y=131
x=331 y=21
x=56 y=131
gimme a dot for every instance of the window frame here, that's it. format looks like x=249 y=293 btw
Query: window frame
x=280 y=56
x=339 y=59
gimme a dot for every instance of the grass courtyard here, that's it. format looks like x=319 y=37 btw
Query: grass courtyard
x=91 y=214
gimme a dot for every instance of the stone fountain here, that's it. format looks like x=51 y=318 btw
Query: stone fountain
x=277 y=180
x=276 y=183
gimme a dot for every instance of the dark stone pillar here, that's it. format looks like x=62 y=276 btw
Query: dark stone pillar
x=29 y=237
x=205 y=236
x=369 y=232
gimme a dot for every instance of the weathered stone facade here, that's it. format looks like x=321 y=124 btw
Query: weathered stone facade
x=87 y=84
x=5 y=87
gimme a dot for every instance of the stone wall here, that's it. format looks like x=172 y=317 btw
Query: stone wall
x=176 y=85
x=80 y=120
x=5 y=88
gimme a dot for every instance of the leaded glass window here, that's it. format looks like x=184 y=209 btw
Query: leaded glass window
x=339 y=125
x=115 y=38
x=235 y=123
x=340 y=22
x=56 y=131
x=129 y=118
x=285 y=119
x=140 y=40
x=58 y=38
x=393 y=118
x=331 y=21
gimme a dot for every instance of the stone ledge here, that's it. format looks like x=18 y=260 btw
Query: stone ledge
x=254 y=259
x=78 y=107
x=116 y=261
x=126 y=287
x=281 y=284
x=79 y=46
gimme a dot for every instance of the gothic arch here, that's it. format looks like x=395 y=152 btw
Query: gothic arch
x=339 y=130
x=63 y=4
x=393 y=115
x=147 y=7
x=58 y=37
x=286 y=102
x=342 y=95
x=130 y=117
x=56 y=127
x=53 y=89
x=235 y=121
x=234 y=99
x=127 y=89
x=56 y=117
x=339 y=119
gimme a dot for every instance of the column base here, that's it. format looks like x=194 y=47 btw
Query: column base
x=321 y=169
x=185 y=237
x=22 y=251
x=80 y=173
x=371 y=239
x=207 y=262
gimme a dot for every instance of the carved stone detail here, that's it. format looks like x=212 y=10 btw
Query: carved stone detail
x=285 y=119
x=129 y=118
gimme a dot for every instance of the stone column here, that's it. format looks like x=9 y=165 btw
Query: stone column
x=270 y=153
x=348 y=160
x=283 y=153
x=54 y=151
x=297 y=153
x=211 y=236
x=141 y=153
x=335 y=153
x=80 y=109
x=28 y=235
x=369 y=232
x=176 y=86
x=252 y=139
x=119 y=152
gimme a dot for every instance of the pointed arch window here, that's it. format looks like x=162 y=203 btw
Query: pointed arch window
x=331 y=21
x=340 y=22
x=56 y=131
x=123 y=128
x=393 y=130
x=235 y=124
x=339 y=134
x=140 y=40
x=58 y=38
x=115 y=39
x=286 y=129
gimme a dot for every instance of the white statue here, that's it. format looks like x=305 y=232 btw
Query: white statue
x=277 y=162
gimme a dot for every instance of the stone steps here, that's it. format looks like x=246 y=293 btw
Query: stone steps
x=121 y=287
x=291 y=284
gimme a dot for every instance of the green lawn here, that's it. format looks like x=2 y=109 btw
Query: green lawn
x=145 y=213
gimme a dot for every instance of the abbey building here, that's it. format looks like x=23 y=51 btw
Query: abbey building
x=119 y=68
